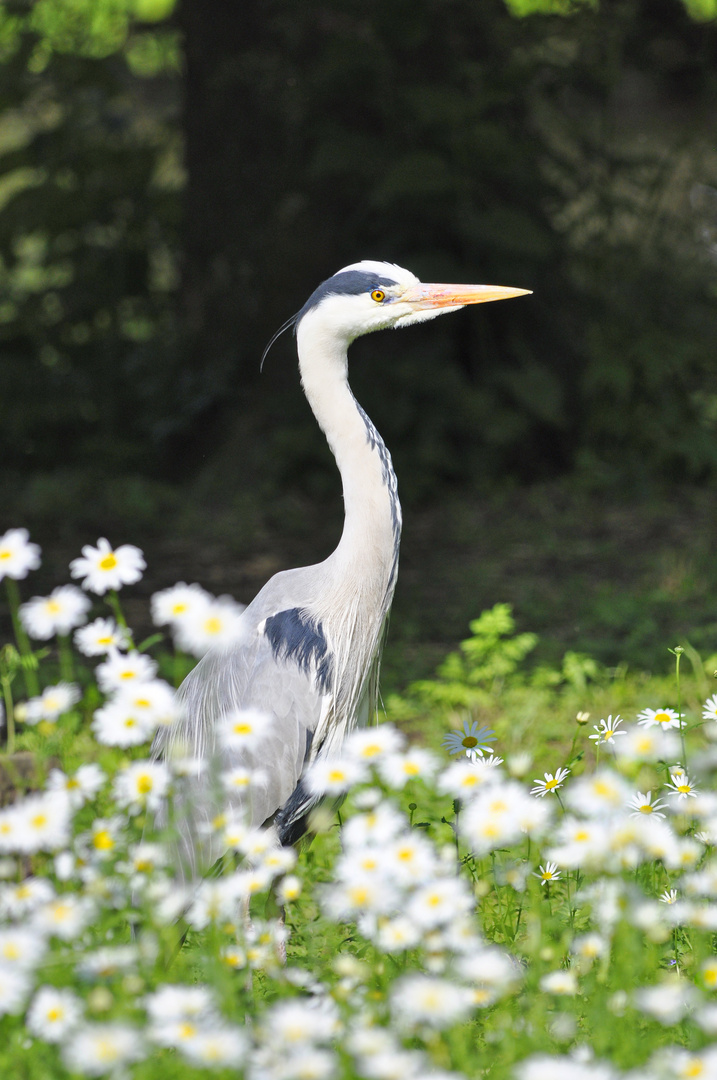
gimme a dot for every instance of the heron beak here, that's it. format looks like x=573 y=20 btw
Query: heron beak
x=424 y=296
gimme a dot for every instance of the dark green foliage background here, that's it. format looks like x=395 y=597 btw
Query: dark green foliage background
x=447 y=135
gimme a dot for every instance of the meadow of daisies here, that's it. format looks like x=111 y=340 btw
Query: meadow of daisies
x=459 y=911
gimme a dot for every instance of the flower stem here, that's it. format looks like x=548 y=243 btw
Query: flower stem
x=32 y=686
x=114 y=601
x=67 y=663
x=5 y=680
x=677 y=653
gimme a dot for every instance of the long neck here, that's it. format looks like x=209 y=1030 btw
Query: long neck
x=372 y=523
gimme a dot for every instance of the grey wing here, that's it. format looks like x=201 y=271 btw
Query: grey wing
x=259 y=673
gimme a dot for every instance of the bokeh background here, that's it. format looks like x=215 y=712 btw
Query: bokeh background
x=177 y=177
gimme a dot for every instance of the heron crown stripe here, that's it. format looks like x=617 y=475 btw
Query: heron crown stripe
x=346 y=283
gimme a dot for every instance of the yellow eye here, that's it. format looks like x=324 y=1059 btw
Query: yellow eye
x=378 y=295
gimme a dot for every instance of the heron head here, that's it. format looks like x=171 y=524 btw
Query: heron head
x=368 y=295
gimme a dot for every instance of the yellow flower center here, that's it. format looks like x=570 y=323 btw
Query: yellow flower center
x=55 y=1014
x=550 y=784
x=38 y=821
x=646 y=808
x=53 y=607
x=336 y=776
x=109 y=562
x=103 y=841
x=105 y=640
x=179 y=608
x=411 y=769
x=213 y=625
x=106 y=1050
x=662 y=718
x=371 y=750
x=10 y=951
x=469 y=742
x=144 y=783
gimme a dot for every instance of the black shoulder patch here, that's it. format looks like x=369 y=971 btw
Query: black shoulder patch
x=294 y=635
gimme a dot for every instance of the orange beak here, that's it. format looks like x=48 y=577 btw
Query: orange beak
x=440 y=296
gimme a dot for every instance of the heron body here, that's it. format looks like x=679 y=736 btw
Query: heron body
x=311 y=640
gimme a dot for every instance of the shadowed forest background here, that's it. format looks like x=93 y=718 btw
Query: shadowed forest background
x=175 y=179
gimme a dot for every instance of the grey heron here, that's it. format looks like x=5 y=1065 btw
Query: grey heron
x=312 y=638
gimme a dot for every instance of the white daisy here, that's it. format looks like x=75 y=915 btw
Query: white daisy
x=439 y=903
x=41 y=822
x=118 y=724
x=180 y=602
x=664 y=718
x=218 y=1048
x=52 y=703
x=415 y=764
x=333 y=776
x=123 y=669
x=547 y=873
x=141 y=786
x=643 y=804
x=82 y=786
x=101 y=636
x=370 y=744
x=427 y=1000
x=96 y=1049
x=667 y=1002
x=550 y=783
x=21 y=949
x=213 y=622
x=103 y=568
x=681 y=785
x=607 y=730
x=709 y=712
x=15 y=985
x=53 y=1013
x=65 y=608
x=653 y=743
x=17 y=554
x=293 y=1023
x=65 y=917
x=23 y=898
x=288 y=889
x=243 y=729
x=562 y=982
x=179 y=1002
x=397 y=935
x=154 y=701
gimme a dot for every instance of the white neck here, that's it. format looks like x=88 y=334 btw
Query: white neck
x=372 y=513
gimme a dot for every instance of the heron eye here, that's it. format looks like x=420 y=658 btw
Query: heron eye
x=378 y=295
